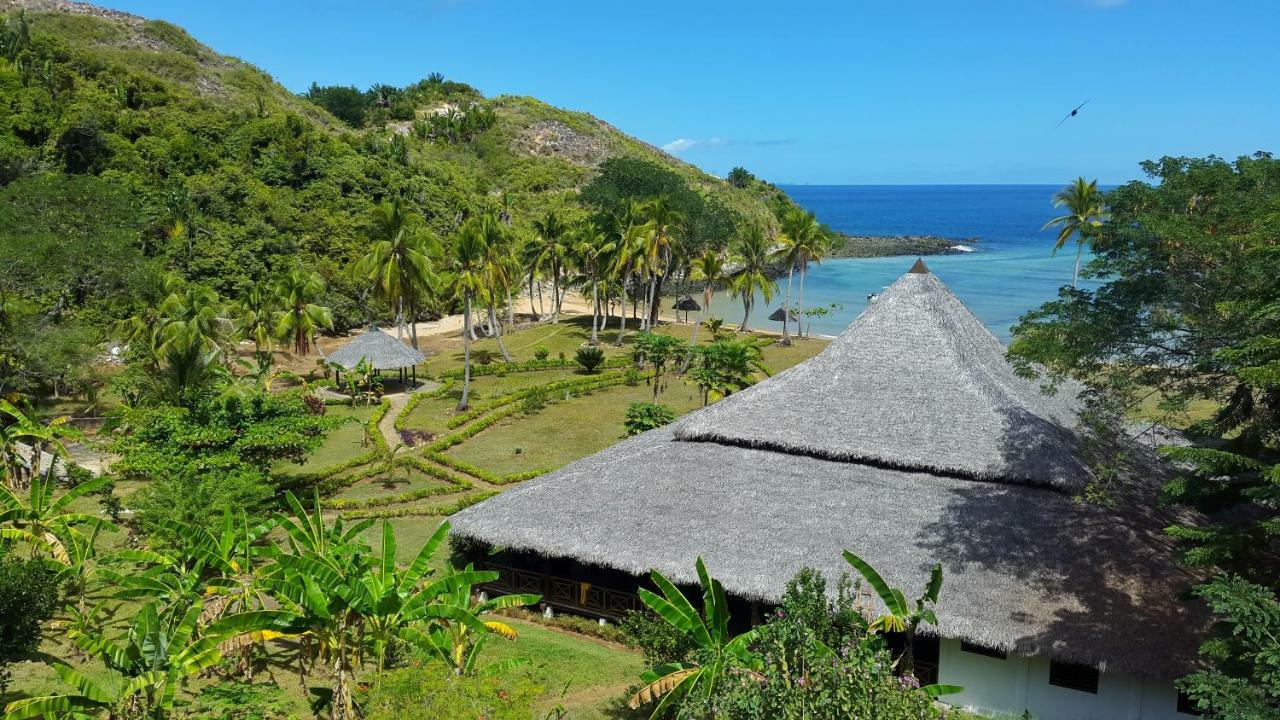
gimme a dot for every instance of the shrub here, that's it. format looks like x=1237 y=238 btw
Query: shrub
x=534 y=400
x=835 y=622
x=29 y=593
x=431 y=691
x=632 y=376
x=234 y=700
x=658 y=639
x=482 y=357
x=541 y=353
x=646 y=416
x=589 y=358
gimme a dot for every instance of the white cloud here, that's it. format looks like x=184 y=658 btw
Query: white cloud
x=680 y=145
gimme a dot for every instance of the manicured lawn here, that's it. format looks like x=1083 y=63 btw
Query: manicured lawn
x=399 y=480
x=567 y=430
x=596 y=673
x=341 y=444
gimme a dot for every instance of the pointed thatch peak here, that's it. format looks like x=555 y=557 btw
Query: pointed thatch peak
x=383 y=351
x=917 y=383
x=919 y=268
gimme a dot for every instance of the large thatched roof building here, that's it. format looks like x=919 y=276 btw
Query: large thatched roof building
x=909 y=440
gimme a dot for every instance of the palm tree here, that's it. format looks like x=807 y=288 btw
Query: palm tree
x=751 y=255
x=192 y=313
x=496 y=272
x=466 y=261
x=708 y=268
x=666 y=221
x=591 y=249
x=253 y=317
x=718 y=653
x=297 y=291
x=628 y=256
x=398 y=262
x=549 y=250
x=802 y=240
x=1085 y=212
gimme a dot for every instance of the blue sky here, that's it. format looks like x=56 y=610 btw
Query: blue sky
x=817 y=92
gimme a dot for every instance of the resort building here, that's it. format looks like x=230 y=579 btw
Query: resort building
x=910 y=440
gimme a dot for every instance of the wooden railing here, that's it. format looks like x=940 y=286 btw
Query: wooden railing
x=563 y=593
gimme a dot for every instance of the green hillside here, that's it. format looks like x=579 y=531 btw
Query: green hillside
x=129 y=150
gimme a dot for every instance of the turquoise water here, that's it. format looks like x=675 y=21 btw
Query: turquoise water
x=1009 y=272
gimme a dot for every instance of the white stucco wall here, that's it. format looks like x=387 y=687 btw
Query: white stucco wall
x=1009 y=686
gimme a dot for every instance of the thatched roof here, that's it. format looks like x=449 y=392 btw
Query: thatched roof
x=686 y=304
x=777 y=316
x=383 y=351
x=907 y=441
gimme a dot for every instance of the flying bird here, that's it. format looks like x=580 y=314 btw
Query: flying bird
x=1071 y=114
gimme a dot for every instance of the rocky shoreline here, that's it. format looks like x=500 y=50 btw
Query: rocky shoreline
x=868 y=246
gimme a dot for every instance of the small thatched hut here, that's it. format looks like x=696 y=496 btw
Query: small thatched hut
x=382 y=351
x=908 y=441
x=686 y=305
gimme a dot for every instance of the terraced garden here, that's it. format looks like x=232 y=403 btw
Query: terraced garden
x=527 y=417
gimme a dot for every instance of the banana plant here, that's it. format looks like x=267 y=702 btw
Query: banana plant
x=900 y=616
x=717 y=654
x=44 y=519
x=459 y=644
x=145 y=667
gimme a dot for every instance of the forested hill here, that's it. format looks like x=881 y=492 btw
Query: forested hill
x=129 y=150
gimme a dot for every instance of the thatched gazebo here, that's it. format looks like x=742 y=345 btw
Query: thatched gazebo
x=778 y=315
x=909 y=440
x=382 y=351
x=686 y=304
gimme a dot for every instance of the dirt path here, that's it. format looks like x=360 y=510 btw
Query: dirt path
x=397 y=401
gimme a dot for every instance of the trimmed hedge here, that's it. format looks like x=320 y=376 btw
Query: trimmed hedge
x=436 y=511
x=449 y=441
x=305 y=479
x=586 y=383
x=527 y=366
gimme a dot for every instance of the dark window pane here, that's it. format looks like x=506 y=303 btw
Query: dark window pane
x=980 y=650
x=1074 y=677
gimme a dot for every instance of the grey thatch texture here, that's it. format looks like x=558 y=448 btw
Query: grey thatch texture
x=383 y=351
x=908 y=441
x=686 y=304
x=916 y=382
x=1027 y=570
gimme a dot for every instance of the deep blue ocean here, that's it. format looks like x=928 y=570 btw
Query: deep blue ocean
x=1009 y=272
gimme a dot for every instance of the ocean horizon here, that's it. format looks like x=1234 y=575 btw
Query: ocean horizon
x=1010 y=271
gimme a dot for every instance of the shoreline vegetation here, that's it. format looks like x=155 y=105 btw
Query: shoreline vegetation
x=870 y=246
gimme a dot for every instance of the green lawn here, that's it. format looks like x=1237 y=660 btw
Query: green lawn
x=566 y=430
x=593 y=675
x=341 y=444
x=399 y=480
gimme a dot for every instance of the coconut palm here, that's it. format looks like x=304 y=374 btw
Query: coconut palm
x=193 y=313
x=497 y=273
x=592 y=248
x=801 y=241
x=751 y=255
x=44 y=520
x=718 y=653
x=300 y=318
x=627 y=259
x=1085 y=212
x=466 y=261
x=548 y=250
x=399 y=259
x=709 y=269
x=666 y=222
x=252 y=314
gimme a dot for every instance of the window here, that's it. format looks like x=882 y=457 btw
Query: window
x=980 y=650
x=1073 y=677
x=1186 y=705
